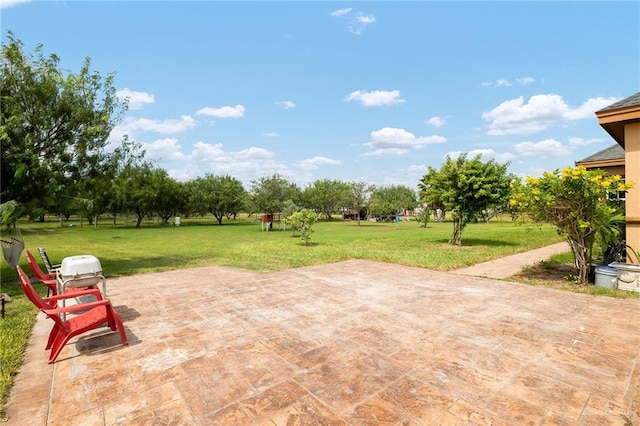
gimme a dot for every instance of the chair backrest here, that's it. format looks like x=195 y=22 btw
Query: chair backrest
x=45 y=259
x=35 y=268
x=30 y=292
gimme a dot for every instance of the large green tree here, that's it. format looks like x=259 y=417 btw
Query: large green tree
x=270 y=193
x=325 y=196
x=134 y=191
x=54 y=125
x=169 y=195
x=219 y=195
x=466 y=187
x=389 y=201
x=357 y=197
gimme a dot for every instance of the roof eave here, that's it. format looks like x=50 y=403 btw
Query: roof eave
x=613 y=121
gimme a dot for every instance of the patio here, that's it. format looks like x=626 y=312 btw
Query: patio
x=355 y=342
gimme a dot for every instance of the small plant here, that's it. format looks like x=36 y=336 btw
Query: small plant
x=302 y=221
x=423 y=217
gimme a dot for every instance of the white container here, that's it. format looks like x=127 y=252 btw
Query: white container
x=628 y=276
x=606 y=276
x=80 y=271
x=177 y=221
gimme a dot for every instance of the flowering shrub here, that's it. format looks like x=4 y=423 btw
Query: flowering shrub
x=575 y=201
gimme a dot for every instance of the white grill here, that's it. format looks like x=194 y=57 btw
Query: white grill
x=80 y=271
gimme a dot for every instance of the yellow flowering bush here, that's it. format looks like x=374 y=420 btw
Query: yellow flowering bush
x=576 y=201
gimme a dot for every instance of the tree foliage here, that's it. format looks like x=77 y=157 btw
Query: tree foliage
x=357 y=197
x=466 y=187
x=54 y=125
x=135 y=192
x=302 y=221
x=270 y=193
x=219 y=195
x=325 y=196
x=575 y=201
x=388 y=201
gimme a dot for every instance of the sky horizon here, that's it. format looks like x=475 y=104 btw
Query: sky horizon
x=354 y=91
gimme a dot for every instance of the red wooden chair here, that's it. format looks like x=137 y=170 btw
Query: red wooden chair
x=90 y=315
x=45 y=278
x=49 y=278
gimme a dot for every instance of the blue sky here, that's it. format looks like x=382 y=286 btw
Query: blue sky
x=373 y=91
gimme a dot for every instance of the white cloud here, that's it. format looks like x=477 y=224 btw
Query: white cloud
x=357 y=21
x=485 y=155
x=375 y=98
x=545 y=149
x=515 y=117
x=286 y=104
x=315 y=162
x=394 y=141
x=436 y=121
x=503 y=82
x=5 y=4
x=525 y=80
x=589 y=107
x=365 y=19
x=341 y=12
x=583 y=142
x=163 y=150
x=170 y=126
x=222 y=112
x=270 y=135
x=245 y=165
x=136 y=100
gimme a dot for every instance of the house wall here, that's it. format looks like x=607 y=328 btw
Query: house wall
x=632 y=161
x=611 y=170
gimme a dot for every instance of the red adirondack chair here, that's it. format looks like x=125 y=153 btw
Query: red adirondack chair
x=90 y=315
x=48 y=279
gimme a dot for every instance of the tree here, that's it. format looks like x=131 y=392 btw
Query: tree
x=357 y=197
x=575 y=201
x=430 y=190
x=302 y=221
x=389 y=201
x=134 y=191
x=54 y=125
x=466 y=187
x=169 y=197
x=270 y=193
x=219 y=195
x=325 y=196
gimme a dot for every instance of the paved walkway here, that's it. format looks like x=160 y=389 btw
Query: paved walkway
x=355 y=342
x=510 y=265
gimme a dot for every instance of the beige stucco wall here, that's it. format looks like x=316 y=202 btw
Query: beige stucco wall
x=632 y=172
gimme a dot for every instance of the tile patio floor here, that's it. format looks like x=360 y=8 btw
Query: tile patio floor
x=355 y=342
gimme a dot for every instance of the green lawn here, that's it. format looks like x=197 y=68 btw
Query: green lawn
x=242 y=244
x=124 y=250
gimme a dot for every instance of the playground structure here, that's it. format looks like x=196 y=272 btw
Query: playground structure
x=267 y=220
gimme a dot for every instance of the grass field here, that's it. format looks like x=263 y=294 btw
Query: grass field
x=125 y=250
x=241 y=243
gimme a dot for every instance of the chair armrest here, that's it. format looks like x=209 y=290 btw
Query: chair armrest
x=92 y=291
x=73 y=308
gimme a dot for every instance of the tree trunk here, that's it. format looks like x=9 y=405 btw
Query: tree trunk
x=139 y=220
x=579 y=250
x=456 y=236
